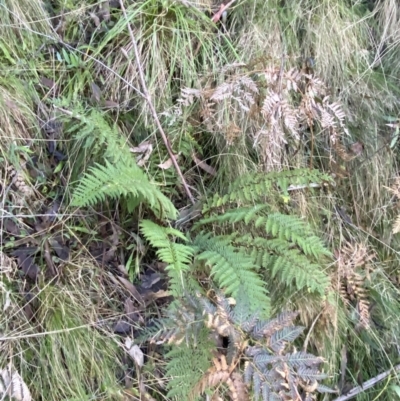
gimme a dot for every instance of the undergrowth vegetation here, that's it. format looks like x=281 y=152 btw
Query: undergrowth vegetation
x=199 y=201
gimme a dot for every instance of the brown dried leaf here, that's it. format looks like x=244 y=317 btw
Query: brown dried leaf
x=132 y=289
x=13 y=386
x=166 y=165
x=96 y=92
x=357 y=148
x=62 y=251
x=48 y=83
x=26 y=262
x=208 y=169
x=131 y=311
x=145 y=149
x=109 y=104
x=95 y=19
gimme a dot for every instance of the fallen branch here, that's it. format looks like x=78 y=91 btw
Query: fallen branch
x=368 y=384
x=147 y=97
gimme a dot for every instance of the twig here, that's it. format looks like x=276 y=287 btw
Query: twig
x=147 y=97
x=216 y=17
x=368 y=384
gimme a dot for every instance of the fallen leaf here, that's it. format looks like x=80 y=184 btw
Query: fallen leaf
x=142 y=148
x=11 y=227
x=132 y=289
x=131 y=312
x=149 y=280
x=50 y=214
x=48 y=83
x=26 y=262
x=122 y=327
x=134 y=352
x=109 y=104
x=145 y=149
x=151 y=296
x=168 y=163
x=96 y=92
x=62 y=251
x=13 y=386
x=357 y=148
x=208 y=169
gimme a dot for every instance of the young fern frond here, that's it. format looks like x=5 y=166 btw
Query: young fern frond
x=177 y=256
x=121 y=179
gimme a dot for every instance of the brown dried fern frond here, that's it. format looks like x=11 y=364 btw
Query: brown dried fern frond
x=396 y=225
x=352 y=276
x=395 y=190
x=395 y=187
x=7 y=265
x=273 y=107
x=222 y=373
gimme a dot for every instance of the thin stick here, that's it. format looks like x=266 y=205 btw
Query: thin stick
x=368 y=384
x=147 y=97
x=222 y=9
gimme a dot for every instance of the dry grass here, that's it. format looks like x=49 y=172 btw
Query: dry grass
x=354 y=51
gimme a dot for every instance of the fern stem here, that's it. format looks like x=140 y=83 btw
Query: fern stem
x=147 y=97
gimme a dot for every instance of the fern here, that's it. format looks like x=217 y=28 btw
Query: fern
x=274 y=368
x=254 y=188
x=272 y=365
x=116 y=180
x=177 y=256
x=232 y=269
x=96 y=134
x=283 y=244
x=187 y=365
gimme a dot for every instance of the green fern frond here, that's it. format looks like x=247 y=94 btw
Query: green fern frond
x=281 y=258
x=232 y=270
x=254 y=188
x=243 y=214
x=293 y=265
x=96 y=134
x=177 y=256
x=291 y=228
x=121 y=179
x=286 y=227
